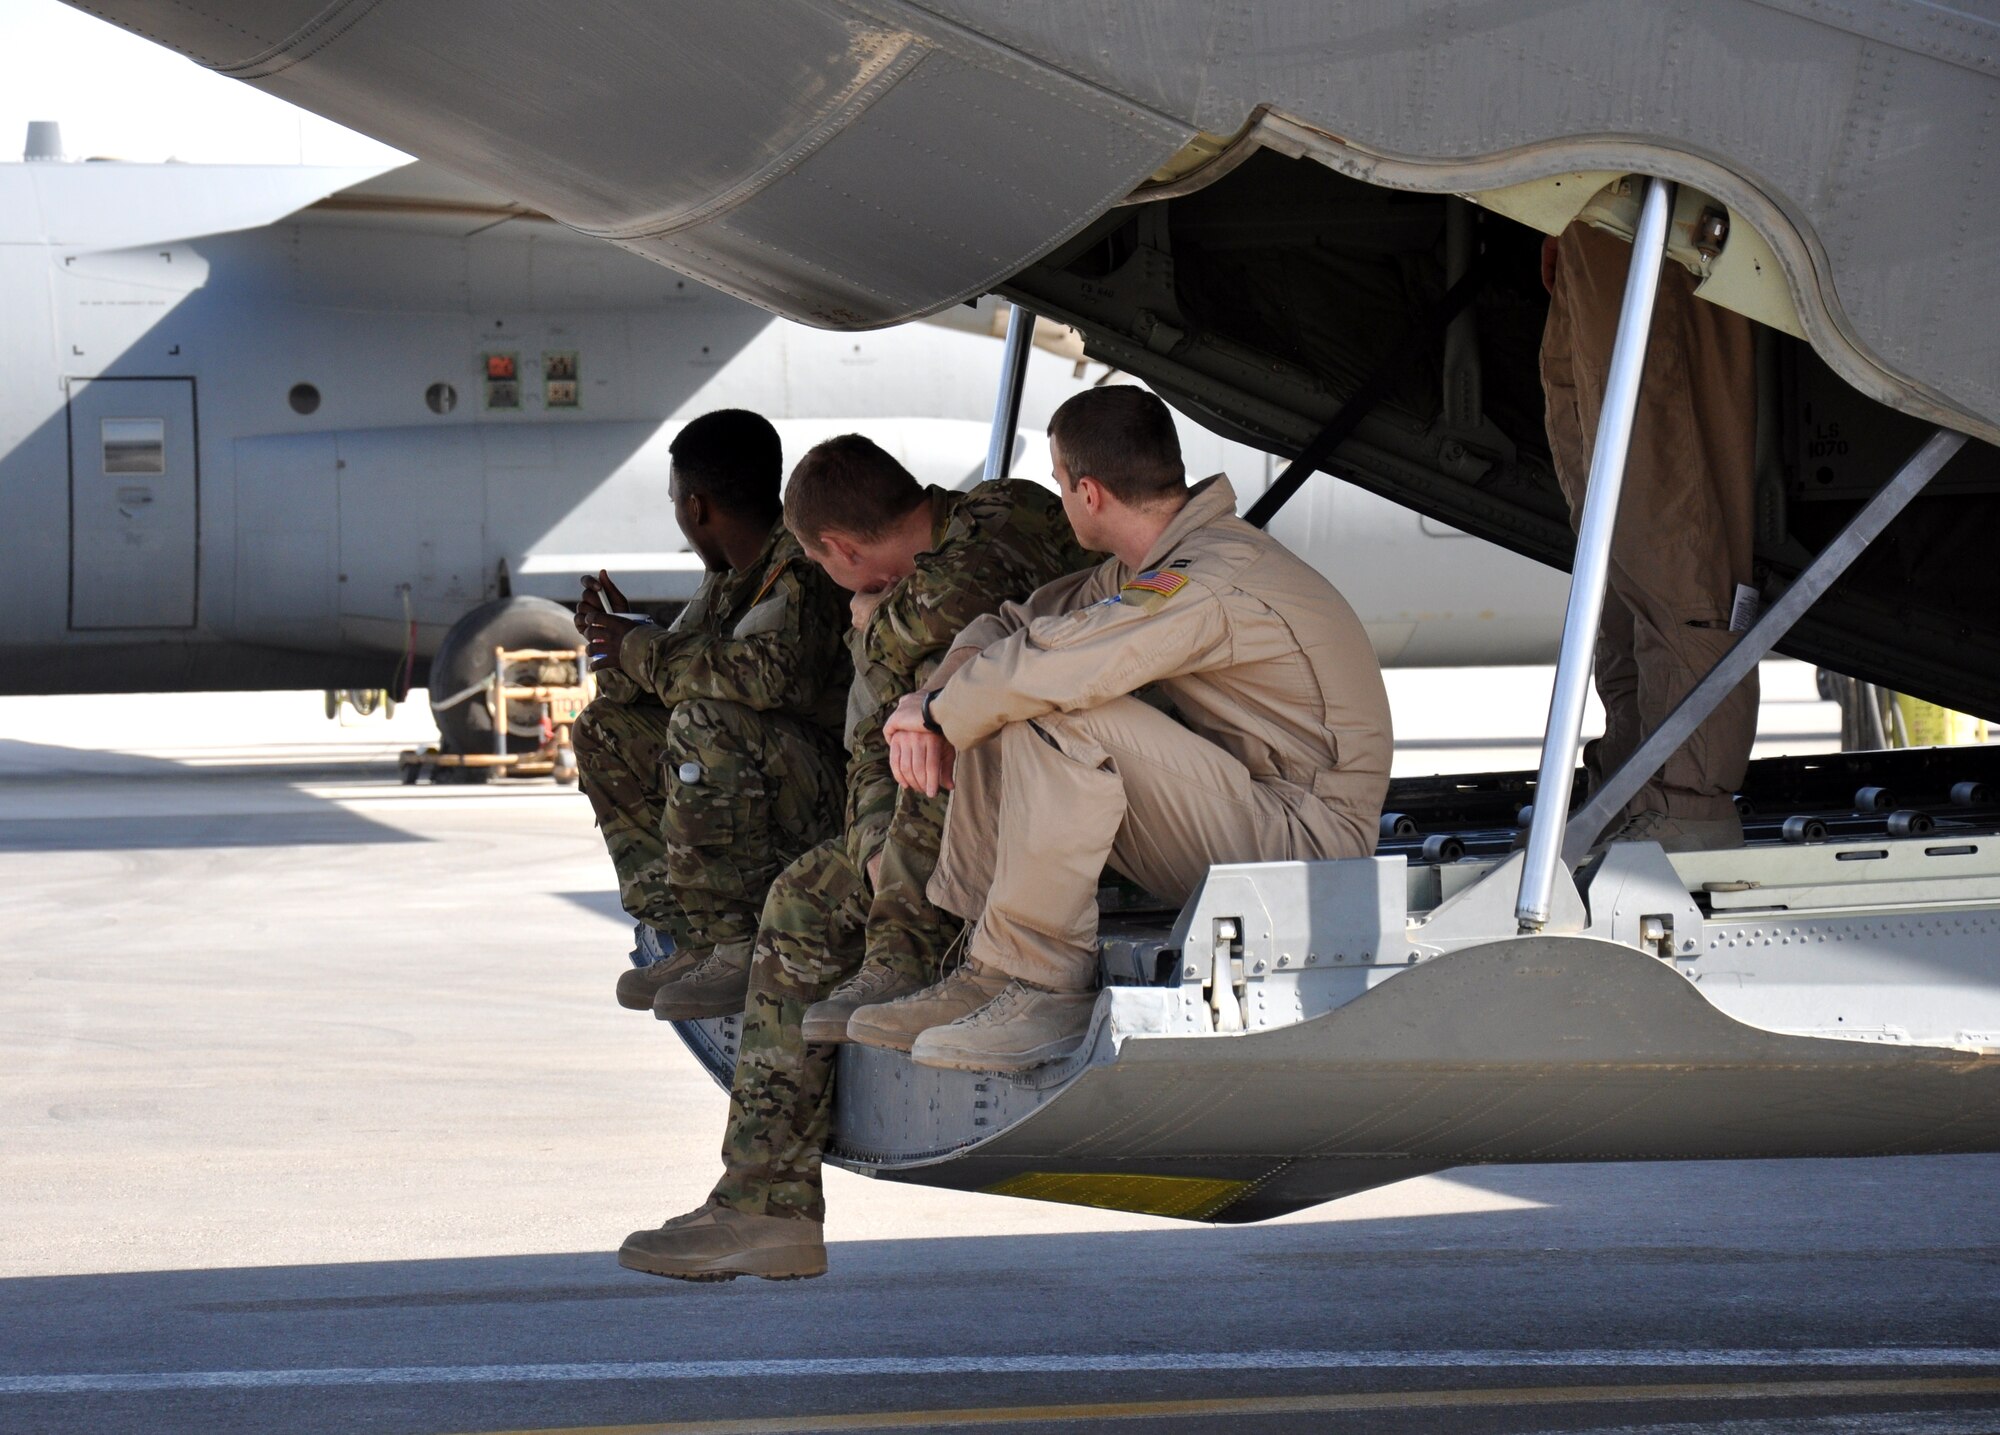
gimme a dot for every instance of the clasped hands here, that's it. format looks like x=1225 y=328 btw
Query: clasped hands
x=918 y=757
x=598 y=620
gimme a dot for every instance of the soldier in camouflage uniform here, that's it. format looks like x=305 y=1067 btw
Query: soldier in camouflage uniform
x=922 y=565
x=711 y=753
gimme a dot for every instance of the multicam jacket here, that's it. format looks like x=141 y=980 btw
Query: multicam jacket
x=997 y=541
x=768 y=636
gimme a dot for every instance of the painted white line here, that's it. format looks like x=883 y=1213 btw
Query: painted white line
x=1873 y=1357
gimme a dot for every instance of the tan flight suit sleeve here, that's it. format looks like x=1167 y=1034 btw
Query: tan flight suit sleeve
x=1085 y=657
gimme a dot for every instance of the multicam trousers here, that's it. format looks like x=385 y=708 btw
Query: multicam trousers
x=702 y=806
x=819 y=923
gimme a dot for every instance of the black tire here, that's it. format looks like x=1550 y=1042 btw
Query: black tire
x=465 y=657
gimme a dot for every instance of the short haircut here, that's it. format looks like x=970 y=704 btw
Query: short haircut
x=851 y=486
x=732 y=458
x=1124 y=438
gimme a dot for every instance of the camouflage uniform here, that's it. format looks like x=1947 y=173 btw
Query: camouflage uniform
x=711 y=753
x=999 y=541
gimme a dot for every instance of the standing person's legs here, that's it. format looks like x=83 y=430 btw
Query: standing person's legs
x=1617 y=676
x=1693 y=530
x=1685 y=521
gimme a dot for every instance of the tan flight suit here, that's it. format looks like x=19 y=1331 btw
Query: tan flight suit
x=1284 y=753
x=1685 y=518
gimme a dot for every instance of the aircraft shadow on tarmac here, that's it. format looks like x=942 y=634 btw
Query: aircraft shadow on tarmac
x=46 y=793
x=1689 y=1272
x=604 y=904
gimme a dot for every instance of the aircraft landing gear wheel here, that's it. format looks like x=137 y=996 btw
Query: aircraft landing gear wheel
x=465 y=659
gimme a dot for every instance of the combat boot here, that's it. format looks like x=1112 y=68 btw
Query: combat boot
x=638 y=986
x=716 y=1243
x=1676 y=834
x=826 y=1021
x=1022 y=1027
x=717 y=985
x=896 y=1024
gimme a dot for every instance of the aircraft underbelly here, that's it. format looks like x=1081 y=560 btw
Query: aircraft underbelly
x=1524 y=1050
x=1563 y=1048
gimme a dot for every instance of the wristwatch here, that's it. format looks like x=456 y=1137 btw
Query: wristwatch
x=925 y=708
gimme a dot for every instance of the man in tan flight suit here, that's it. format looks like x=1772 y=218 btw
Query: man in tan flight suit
x=1281 y=751
x=1686 y=519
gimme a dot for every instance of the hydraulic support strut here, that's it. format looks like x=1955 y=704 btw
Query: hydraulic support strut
x=1735 y=665
x=1007 y=405
x=1593 y=560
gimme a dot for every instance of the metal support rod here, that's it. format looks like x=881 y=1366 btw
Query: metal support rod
x=1013 y=377
x=1737 y=663
x=1593 y=560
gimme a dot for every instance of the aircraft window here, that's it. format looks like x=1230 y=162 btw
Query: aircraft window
x=441 y=398
x=303 y=398
x=134 y=446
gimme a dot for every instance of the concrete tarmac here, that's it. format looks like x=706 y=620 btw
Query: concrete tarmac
x=318 y=1116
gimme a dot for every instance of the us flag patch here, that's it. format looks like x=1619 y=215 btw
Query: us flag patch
x=1148 y=590
x=1164 y=585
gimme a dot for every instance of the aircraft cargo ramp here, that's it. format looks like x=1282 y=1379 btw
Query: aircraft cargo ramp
x=1307 y=1030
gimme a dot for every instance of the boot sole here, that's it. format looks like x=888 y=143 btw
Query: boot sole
x=701 y=1011
x=861 y=1034
x=950 y=1060
x=784 y=1263
x=825 y=1030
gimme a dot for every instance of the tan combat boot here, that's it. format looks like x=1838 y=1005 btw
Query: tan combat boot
x=826 y=1021
x=1022 y=1027
x=716 y=1243
x=894 y=1025
x=638 y=985
x=717 y=985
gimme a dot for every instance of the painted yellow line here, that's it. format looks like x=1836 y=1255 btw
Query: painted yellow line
x=1298 y=1405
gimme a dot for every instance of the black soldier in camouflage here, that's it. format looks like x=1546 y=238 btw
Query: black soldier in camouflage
x=711 y=755
x=922 y=564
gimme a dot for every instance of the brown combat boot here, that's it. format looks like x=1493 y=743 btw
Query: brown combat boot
x=895 y=1025
x=826 y=1021
x=716 y=1243
x=717 y=985
x=638 y=985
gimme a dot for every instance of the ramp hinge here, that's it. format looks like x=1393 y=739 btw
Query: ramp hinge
x=1225 y=981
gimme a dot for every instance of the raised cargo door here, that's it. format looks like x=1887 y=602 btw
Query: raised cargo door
x=132 y=503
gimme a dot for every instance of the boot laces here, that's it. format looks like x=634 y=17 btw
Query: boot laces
x=721 y=962
x=959 y=978
x=866 y=984
x=1000 y=1008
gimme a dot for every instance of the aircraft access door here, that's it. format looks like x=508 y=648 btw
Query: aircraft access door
x=132 y=499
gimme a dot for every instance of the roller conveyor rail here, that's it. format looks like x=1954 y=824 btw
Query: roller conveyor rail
x=1484 y=811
